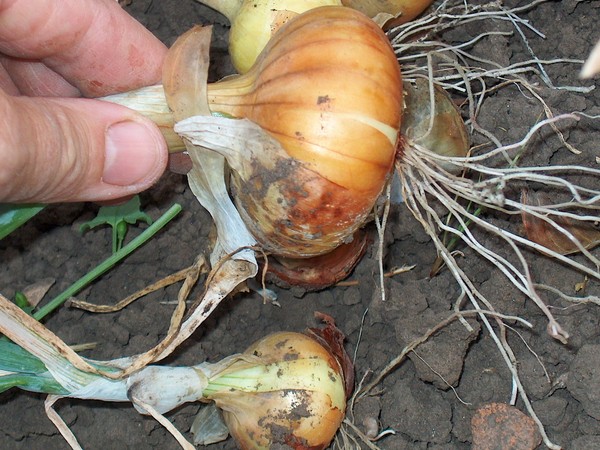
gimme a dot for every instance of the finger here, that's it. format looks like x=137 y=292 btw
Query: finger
x=93 y=44
x=58 y=150
x=6 y=83
x=36 y=79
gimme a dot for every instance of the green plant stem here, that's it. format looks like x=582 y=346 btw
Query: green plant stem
x=108 y=263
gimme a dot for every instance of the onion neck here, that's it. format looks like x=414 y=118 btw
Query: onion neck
x=232 y=95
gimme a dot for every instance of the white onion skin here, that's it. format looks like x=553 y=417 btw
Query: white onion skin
x=319 y=87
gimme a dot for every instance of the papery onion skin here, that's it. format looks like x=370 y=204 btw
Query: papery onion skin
x=297 y=417
x=446 y=135
x=320 y=271
x=329 y=89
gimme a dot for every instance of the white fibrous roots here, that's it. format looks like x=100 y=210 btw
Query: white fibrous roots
x=491 y=199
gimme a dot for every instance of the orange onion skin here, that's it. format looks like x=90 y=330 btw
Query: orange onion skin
x=406 y=10
x=328 y=88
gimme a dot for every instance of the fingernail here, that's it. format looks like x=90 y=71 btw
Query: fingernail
x=131 y=154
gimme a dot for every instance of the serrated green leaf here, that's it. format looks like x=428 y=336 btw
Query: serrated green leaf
x=118 y=217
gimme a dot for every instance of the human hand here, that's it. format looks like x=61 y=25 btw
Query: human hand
x=57 y=149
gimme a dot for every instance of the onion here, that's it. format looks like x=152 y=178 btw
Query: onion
x=255 y=21
x=442 y=131
x=295 y=397
x=285 y=389
x=326 y=94
x=328 y=89
x=392 y=12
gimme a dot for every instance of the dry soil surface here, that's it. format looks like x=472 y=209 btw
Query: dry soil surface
x=429 y=399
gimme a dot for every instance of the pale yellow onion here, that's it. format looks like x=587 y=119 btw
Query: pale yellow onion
x=253 y=22
x=328 y=89
x=257 y=21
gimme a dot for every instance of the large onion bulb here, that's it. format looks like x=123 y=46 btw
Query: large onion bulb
x=328 y=88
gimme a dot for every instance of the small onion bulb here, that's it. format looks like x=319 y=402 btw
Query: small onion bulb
x=295 y=398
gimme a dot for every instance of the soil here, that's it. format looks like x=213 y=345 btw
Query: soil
x=429 y=399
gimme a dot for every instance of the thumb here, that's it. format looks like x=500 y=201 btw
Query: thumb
x=63 y=149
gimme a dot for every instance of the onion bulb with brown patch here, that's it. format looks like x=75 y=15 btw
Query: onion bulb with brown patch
x=328 y=89
x=294 y=398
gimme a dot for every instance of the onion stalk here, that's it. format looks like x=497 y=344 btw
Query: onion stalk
x=287 y=388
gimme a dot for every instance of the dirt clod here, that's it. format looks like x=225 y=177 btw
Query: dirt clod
x=499 y=426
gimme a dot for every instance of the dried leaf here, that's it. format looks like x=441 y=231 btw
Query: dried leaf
x=382 y=18
x=185 y=76
x=399 y=11
x=541 y=232
x=185 y=73
x=66 y=366
x=36 y=292
x=332 y=338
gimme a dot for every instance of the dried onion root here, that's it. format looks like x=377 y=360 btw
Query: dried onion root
x=492 y=172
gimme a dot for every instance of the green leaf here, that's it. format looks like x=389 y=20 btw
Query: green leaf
x=118 y=217
x=22 y=302
x=13 y=216
x=19 y=368
x=43 y=383
x=14 y=358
